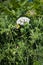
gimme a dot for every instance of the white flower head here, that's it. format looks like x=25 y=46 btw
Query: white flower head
x=22 y=20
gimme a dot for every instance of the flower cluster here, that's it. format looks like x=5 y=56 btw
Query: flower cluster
x=22 y=20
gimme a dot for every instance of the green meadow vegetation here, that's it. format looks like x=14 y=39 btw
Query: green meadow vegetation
x=21 y=45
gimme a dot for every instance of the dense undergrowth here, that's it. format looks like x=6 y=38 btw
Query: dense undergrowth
x=22 y=46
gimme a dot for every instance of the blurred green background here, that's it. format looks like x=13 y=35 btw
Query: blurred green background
x=23 y=46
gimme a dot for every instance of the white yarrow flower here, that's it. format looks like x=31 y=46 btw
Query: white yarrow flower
x=22 y=20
